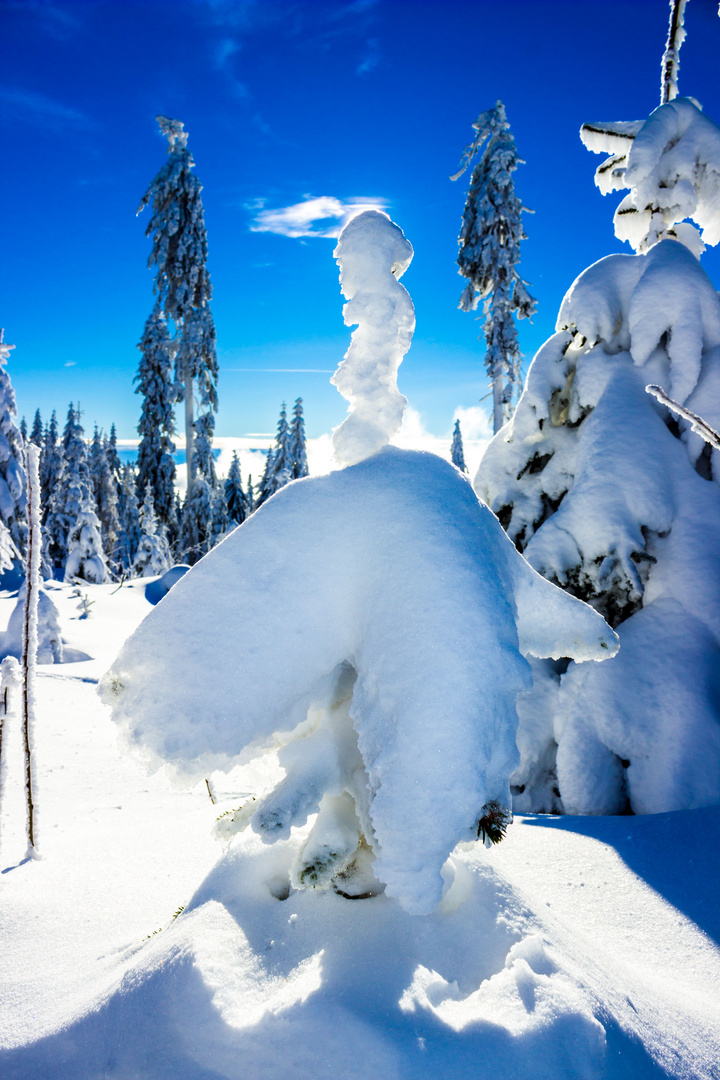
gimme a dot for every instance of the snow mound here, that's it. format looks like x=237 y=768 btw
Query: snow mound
x=155 y=590
x=373 y=253
x=383 y=610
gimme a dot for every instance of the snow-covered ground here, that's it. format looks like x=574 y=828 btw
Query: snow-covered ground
x=579 y=947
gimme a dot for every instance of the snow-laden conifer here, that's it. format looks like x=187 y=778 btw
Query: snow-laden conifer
x=24 y=429
x=194 y=539
x=182 y=282
x=129 y=515
x=153 y=554
x=235 y=497
x=279 y=465
x=298 y=445
x=490 y=252
x=51 y=462
x=105 y=493
x=13 y=485
x=154 y=380
x=457 y=454
x=36 y=432
x=219 y=518
x=86 y=559
x=610 y=496
x=113 y=456
x=72 y=492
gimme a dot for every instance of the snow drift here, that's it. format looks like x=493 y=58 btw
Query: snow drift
x=372 y=623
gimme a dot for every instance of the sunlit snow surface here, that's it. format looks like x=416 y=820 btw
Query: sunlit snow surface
x=579 y=948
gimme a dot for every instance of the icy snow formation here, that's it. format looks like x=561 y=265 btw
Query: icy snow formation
x=612 y=498
x=374 y=623
x=671 y=163
x=373 y=253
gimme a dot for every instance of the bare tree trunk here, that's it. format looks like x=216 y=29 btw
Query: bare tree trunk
x=671 y=57
x=30 y=629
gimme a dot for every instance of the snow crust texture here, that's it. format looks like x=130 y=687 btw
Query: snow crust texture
x=612 y=498
x=373 y=253
x=372 y=627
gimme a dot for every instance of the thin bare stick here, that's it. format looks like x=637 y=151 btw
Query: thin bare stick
x=703 y=429
x=209 y=791
x=30 y=629
x=671 y=56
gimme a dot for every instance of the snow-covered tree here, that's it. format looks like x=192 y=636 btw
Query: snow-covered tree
x=298 y=445
x=610 y=496
x=279 y=464
x=235 y=498
x=13 y=486
x=194 y=540
x=153 y=554
x=51 y=461
x=457 y=454
x=104 y=490
x=86 y=558
x=490 y=252
x=182 y=282
x=113 y=456
x=220 y=518
x=129 y=516
x=73 y=489
x=36 y=432
x=156 y=466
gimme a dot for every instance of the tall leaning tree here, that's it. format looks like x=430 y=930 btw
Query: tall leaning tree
x=183 y=288
x=490 y=251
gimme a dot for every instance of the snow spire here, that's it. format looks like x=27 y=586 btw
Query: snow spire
x=457 y=455
x=373 y=253
x=490 y=251
x=671 y=57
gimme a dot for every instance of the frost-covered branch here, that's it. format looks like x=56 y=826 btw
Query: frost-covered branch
x=671 y=57
x=700 y=426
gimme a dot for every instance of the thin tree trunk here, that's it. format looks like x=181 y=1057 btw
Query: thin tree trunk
x=671 y=57
x=30 y=629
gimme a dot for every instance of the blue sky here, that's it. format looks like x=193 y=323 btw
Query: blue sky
x=286 y=101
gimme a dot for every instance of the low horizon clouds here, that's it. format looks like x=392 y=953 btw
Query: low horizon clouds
x=312 y=216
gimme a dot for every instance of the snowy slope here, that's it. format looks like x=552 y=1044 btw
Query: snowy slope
x=580 y=947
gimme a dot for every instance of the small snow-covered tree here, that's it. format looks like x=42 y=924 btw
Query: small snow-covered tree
x=220 y=518
x=156 y=465
x=182 y=284
x=113 y=457
x=51 y=461
x=36 y=432
x=298 y=443
x=615 y=500
x=194 y=540
x=153 y=554
x=279 y=466
x=457 y=454
x=13 y=484
x=86 y=558
x=129 y=516
x=73 y=489
x=105 y=493
x=490 y=252
x=235 y=498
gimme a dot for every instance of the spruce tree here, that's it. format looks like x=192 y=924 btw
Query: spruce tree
x=279 y=465
x=73 y=491
x=194 y=540
x=153 y=554
x=220 y=518
x=156 y=466
x=86 y=558
x=13 y=483
x=24 y=429
x=235 y=497
x=113 y=456
x=36 y=432
x=51 y=461
x=183 y=288
x=457 y=454
x=105 y=493
x=129 y=515
x=490 y=251
x=298 y=446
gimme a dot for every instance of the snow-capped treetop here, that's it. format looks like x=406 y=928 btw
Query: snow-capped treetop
x=177 y=226
x=372 y=253
x=671 y=163
x=401 y=613
x=298 y=444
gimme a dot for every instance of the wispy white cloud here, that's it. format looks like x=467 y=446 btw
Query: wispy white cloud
x=323 y=215
x=371 y=59
x=53 y=19
x=29 y=107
